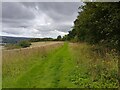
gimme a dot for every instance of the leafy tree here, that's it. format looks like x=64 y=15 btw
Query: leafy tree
x=40 y=39
x=59 y=38
x=24 y=43
x=98 y=23
x=65 y=38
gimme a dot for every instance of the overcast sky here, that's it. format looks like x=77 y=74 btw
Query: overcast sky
x=38 y=19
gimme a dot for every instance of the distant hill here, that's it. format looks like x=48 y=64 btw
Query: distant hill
x=12 y=40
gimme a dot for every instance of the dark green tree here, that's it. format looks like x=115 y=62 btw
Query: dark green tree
x=98 y=23
x=59 y=38
x=24 y=43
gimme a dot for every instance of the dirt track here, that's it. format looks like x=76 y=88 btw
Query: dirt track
x=38 y=44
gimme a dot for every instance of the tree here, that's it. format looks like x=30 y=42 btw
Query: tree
x=24 y=43
x=59 y=38
x=98 y=23
x=65 y=38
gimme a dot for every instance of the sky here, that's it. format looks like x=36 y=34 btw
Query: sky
x=38 y=19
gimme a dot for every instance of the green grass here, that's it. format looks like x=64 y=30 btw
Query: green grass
x=66 y=66
x=17 y=62
x=92 y=69
x=53 y=71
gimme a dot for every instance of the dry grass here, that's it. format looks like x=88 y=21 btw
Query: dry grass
x=77 y=62
x=38 y=44
x=24 y=53
x=94 y=69
x=15 y=62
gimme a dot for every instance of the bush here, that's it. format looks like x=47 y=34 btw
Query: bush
x=24 y=44
x=59 y=38
x=11 y=46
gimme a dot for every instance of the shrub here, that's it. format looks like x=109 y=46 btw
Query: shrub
x=59 y=38
x=24 y=43
x=11 y=46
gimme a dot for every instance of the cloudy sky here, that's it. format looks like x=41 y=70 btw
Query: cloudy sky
x=38 y=19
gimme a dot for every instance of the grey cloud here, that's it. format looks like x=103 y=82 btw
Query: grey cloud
x=16 y=11
x=15 y=31
x=16 y=23
x=39 y=19
x=58 y=11
x=64 y=8
x=15 y=15
x=62 y=28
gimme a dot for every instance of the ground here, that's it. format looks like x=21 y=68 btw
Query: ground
x=57 y=65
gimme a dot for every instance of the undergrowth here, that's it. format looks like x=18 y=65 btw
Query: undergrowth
x=93 y=69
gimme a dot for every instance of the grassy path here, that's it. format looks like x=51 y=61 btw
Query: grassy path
x=66 y=66
x=53 y=71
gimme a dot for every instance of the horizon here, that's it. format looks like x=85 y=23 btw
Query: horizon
x=26 y=37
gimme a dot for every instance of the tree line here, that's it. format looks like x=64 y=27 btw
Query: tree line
x=97 y=23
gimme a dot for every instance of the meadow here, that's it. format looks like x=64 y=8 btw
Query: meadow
x=60 y=65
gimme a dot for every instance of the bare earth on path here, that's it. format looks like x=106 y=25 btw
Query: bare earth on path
x=38 y=44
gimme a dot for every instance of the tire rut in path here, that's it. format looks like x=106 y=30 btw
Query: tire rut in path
x=47 y=73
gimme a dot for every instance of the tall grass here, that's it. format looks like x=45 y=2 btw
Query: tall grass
x=16 y=62
x=74 y=65
x=93 y=69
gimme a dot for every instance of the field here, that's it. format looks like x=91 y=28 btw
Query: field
x=59 y=65
x=39 y=44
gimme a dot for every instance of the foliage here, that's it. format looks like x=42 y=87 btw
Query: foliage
x=24 y=43
x=11 y=46
x=65 y=38
x=20 y=44
x=41 y=39
x=92 y=69
x=59 y=38
x=98 y=23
